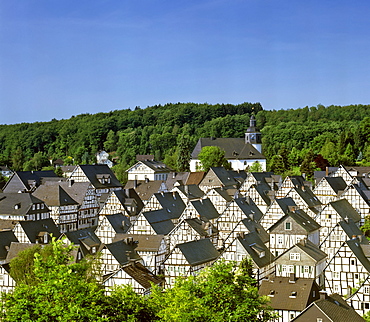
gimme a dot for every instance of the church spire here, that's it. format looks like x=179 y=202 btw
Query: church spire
x=253 y=136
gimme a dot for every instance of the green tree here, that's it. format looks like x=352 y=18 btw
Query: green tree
x=255 y=167
x=183 y=156
x=308 y=165
x=212 y=156
x=276 y=164
x=55 y=289
x=222 y=292
x=111 y=143
x=38 y=161
x=17 y=159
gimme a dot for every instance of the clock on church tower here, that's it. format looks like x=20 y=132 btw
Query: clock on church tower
x=253 y=136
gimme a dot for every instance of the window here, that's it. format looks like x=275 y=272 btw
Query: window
x=319 y=320
x=366 y=289
x=295 y=256
x=280 y=239
x=288 y=226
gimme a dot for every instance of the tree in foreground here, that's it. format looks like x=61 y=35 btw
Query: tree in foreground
x=222 y=292
x=212 y=156
x=54 y=287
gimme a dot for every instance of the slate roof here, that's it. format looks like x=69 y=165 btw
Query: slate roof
x=160 y=221
x=33 y=228
x=198 y=252
x=176 y=178
x=336 y=183
x=301 y=218
x=360 y=247
x=249 y=208
x=15 y=248
x=235 y=148
x=308 y=196
x=280 y=290
x=123 y=252
x=54 y=195
x=345 y=210
x=200 y=226
x=76 y=190
x=310 y=249
x=172 y=203
x=157 y=166
x=28 y=179
x=191 y=191
x=205 y=208
x=85 y=238
x=334 y=308
x=119 y=222
x=223 y=193
x=144 y=189
x=94 y=172
x=6 y=238
x=19 y=204
x=146 y=243
x=253 y=244
x=286 y=204
x=226 y=179
x=253 y=226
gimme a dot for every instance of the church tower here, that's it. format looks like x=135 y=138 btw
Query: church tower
x=253 y=136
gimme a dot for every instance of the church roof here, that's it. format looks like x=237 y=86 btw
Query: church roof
x=235 y=148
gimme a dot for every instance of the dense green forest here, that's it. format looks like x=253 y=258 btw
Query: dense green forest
x=305 y=138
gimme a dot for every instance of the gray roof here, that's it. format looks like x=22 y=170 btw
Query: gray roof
x=308 y=196
x=172 y=203
x=199 y=251
x=345 y=210
x=249 y=208
x=191 y=191
x=286 y=204
x=254 y=246
x=144 y=189
x=33 y=228
x=85 y=238
x=200 y=226
x=226 y=179
x=19 y=204
x=157 y=166
x=289 y=294
x=123 y=252
x=360 y=247
x=160 y=221
x=27 y=180
x=142 y=275
x=6 y=238
x=54 y=195
x=146 y=243
x=97 y=171
x=205 y=208
x=176 y=178
x=334 y=309
x=119 y=222
x=301 y=218
x=336 y=183
x=235 y=148
x=310 y=249
x=15 y=248
x=253 y=226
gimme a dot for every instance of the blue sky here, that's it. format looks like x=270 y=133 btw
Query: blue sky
x=63 y=58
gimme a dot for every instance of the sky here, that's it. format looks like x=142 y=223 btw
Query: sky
x=64 y=58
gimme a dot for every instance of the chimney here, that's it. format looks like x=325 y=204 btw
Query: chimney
x=292 y=278
x=327 y=172
x=135 y=184
x=322 y=295
x=70 y=183
x=146 y=180
x=173 y=175
x=303 y=242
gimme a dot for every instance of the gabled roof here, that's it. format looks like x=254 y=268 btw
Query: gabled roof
x=256 y=249
x=289 y=293
x=157 y=166
x=97 y=171
x=119 y=222
x=54 y=195
x=263 y=190
x=333 y=308
x=33 y=228
x=253 y=226
x=345 y=210
x=200 y=226
x=336 y=183
x=205 y=209
x=249 y=208
x=308 y=196
x=225 y=178
x=360 y=247
x=308 y=247
x=199 y=251
x=6 y=238
x=146 y=243
x=76 y=190
x=18 y=204
x=172 y=203
x=191 y=191
x=301 y=218
x=350 y=228
x=195 y=177
x=235 y=148
x=160 y=221
x=123 y=252
x=27 y=180
x=144 y=189
x=15 y=248
x=86 y=238
x=142 y=275
x=222 y=192
x=176 y=178
x=287 y=204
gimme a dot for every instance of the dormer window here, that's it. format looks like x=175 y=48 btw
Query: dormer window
x=17 y=206
x=293 y=294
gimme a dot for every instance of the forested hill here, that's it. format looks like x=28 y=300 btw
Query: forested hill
x=332 y=131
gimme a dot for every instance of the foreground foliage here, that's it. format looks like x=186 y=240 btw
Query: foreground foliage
x=55 y=288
